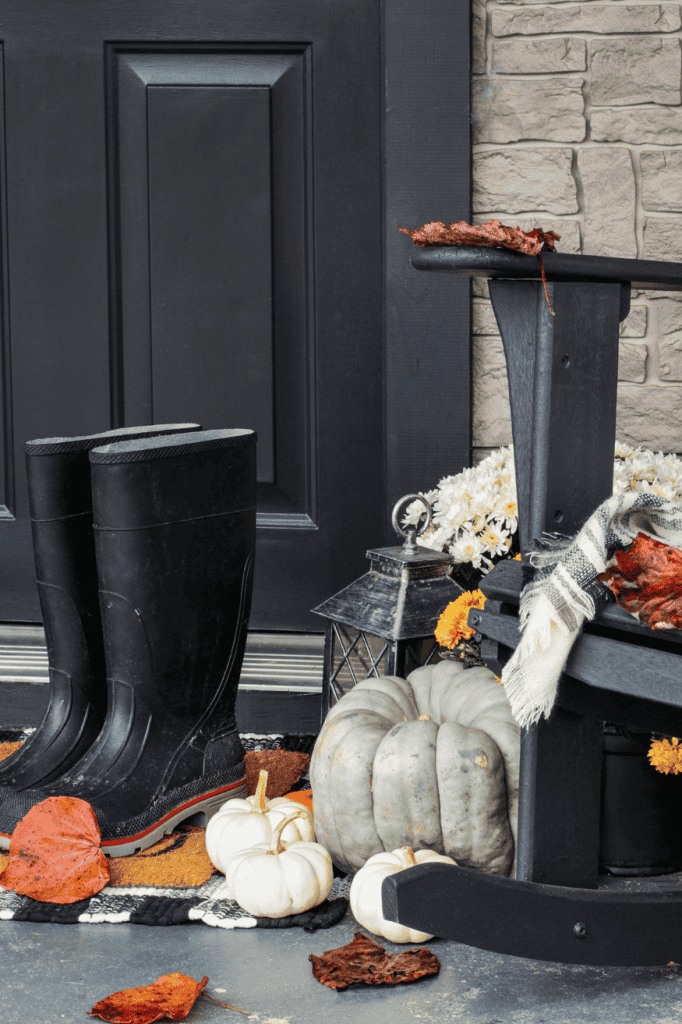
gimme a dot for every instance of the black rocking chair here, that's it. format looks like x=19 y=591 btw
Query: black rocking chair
x=562 y=372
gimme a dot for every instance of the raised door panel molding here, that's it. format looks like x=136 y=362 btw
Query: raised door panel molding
x=210 y=208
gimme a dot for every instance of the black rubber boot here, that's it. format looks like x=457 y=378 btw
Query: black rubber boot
x=175 y=528
x=60 y=503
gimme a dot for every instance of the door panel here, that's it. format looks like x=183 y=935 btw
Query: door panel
x=215 y=306
x=211 y=288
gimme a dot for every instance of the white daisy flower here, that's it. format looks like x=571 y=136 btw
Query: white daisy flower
x=469 y=548
x=496 y=540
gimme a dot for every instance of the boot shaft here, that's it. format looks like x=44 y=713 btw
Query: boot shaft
x=60 y=501
x=175 y=529
x=58 y=468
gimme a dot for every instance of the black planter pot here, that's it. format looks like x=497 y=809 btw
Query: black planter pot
x=641 y=825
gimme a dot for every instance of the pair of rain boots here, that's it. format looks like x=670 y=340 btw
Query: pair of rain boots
x=144 y=544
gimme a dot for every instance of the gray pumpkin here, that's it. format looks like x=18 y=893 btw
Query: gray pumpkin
x=430 y=762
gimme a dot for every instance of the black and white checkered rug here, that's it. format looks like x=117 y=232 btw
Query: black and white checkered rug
x=157 y=906
x=170 y=906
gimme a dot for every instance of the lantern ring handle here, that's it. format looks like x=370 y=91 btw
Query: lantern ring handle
x=422 y=526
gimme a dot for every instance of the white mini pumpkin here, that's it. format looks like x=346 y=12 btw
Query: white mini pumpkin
x=241 y=824
x=276 y=879
x=365 y=892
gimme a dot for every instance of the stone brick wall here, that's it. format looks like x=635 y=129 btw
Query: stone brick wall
x=577 y=128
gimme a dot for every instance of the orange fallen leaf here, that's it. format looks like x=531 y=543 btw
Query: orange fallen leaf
x=647 y=582
x=55 y=854
x=170 y=997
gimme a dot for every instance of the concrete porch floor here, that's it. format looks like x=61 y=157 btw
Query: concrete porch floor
x=56 y=973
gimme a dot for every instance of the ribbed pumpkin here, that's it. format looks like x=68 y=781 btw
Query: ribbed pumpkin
x=430 y=762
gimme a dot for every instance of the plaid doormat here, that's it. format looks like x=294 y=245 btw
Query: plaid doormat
x=177 y=857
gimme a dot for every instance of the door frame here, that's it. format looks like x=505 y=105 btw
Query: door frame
x=427 y=161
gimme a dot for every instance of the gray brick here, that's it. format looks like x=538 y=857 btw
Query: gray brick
x=668 y=314
x=662 y=125
x=608 y=182
x=483 y=319
x=670 y=357
x=478 y=26
x=650 y=415
x=491 y=416
x=637 y=70
x=663 y=239
x=634 y=325
x=632 y=362
x=661 y=179
x=517 y=180
x=611 y=18
x=536 y=56
x=511 y=109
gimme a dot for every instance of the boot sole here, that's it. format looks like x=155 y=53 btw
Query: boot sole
x=205 y=806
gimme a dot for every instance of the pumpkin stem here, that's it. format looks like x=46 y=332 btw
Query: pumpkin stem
x=259 y=804
x=408 y=854
x=275 y=846
x=425 y=718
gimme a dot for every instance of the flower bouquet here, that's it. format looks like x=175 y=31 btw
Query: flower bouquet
x=475 y=519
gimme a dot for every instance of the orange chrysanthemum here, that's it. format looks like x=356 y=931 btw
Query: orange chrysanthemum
x=452 y=625
x=666 y=756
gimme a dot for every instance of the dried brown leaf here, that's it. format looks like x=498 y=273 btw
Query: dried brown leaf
x=491 y=234
x=364 y=961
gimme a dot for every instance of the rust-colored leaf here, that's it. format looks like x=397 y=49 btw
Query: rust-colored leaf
x=647 y=581
x=55 y=854
x=491 y=234
x=284 y=768
x=170 y=997
x=364 y=961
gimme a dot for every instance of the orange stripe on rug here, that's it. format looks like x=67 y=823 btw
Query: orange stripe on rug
x=9 y=748
x=177 y=860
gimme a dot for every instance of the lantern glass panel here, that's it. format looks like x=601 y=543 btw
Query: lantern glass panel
x=415 y=654
x=356 y=655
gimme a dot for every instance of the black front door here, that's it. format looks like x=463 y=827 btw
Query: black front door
x=192 y=228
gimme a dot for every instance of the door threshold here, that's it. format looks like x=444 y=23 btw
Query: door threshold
x=280 y=687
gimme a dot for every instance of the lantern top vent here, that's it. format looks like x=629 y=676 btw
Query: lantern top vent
x=405 y=590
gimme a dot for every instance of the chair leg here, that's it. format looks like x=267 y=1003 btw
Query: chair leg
x=559 y=801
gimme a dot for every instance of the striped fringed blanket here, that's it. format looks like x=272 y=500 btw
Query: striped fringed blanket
x=562 y=593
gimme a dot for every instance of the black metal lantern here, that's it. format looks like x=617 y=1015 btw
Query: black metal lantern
x=382 y=625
